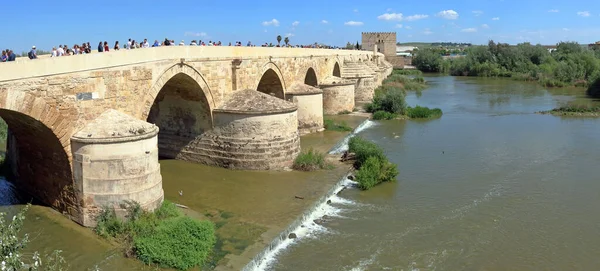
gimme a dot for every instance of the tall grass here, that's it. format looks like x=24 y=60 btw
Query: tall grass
x=422 y=112
x=309 y=161
x=331 y=125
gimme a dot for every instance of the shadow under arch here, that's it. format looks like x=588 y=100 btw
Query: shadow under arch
x=336 y=70
x=182 y=111
x=37 y=163
x=271 y=81
x=311 y=78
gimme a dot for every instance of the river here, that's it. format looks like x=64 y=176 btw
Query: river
x=489 y=186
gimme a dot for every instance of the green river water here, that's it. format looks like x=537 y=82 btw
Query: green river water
x=489 y=186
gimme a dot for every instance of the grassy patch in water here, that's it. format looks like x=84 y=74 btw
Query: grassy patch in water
x=575 y=110
x=383 y=115
x=372 y=165
x=422 y=112
x=331 y=125
x=310 y=160
x=345 y=112
x=164 y=237
x=407 y=72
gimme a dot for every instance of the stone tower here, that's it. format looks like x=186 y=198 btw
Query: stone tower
x=385 y=41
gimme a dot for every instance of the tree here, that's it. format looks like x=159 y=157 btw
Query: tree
x=427 y=61
x=278 y=40
x=349 y=46
x=357 y=46
x=287 y=41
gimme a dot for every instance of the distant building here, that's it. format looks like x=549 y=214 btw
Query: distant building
x=405 y=51
x=386 y=44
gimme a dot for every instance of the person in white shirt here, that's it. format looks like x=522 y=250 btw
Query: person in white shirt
x=146 y=44
x=193 y=43
x=182 y=43
x=60 y=51
x=128 y=46
x=54 y=52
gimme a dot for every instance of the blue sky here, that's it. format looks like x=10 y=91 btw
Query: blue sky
x=44 y=24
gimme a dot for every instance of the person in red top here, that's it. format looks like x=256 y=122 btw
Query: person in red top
x=106 y=48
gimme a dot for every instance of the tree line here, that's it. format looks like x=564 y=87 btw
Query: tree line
x=570 y=64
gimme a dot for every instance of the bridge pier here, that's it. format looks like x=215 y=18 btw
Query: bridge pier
x=338 y=95
x=364 y=80
x=115 y=159
x=310 y=107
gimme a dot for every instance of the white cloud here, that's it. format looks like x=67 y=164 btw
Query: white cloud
x=415 y=17
x=390 y=17
x=485 y=26
x=399 y=26
x=324 y=22
x=448 y=14
x=273 y=22
x=355 y=10
x=353 y=23
x=389 y=9
x=408 y=27
x=427 y=31
x=296 y=23
x=584 y=13
x=496 y=19
x=195 y=34
x=289 y=34
x=553 y=10
x=477 y=12
x=469 y=30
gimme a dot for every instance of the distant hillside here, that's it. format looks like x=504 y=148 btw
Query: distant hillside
x=424 y=45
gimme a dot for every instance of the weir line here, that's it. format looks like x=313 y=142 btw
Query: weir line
x=300 y=226
x=342 y=146
x=263 y=259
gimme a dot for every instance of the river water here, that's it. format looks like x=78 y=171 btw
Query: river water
x=489 y=186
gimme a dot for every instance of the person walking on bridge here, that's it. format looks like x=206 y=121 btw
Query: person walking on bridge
x=32 y=54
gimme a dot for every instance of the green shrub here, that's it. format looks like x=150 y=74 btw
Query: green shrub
x=345 y=112
x=383 y=115
x=368 y=175
x=363 y=149
x=373 y=167
x=389 y=99
x=331 y=125
x=421 y=112
x=3 y=130
x=310 y=160
x=167 y=210
x=180 y=242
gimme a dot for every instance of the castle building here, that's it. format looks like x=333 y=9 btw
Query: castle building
x=386 y=44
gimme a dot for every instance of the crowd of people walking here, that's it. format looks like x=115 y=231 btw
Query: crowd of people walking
x=86 y=48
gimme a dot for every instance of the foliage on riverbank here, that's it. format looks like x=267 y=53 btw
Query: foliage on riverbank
x=574 y=110
x=3 y=130
x=331 y=125
x=12 y=244
x=569 y=65
x=164 y=237
x=310 y=160
x=407 y=72
x=383 y=115
x=371 y=163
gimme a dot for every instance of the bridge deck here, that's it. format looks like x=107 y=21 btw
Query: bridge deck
x=27 y=68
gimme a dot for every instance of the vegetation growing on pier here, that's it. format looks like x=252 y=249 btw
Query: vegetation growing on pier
x=310 y=160
x=165 y=237
x=331 y=125
x=574 y=110
x=371 y=163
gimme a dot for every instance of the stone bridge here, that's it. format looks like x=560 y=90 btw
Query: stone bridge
x=86 y=131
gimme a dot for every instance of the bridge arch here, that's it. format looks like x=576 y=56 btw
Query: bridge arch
x=38 y=151
x=336 y=70
x=181 y=105
x=311 y=77
x=271 y=81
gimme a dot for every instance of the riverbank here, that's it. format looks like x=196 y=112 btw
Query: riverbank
x=251 y=208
